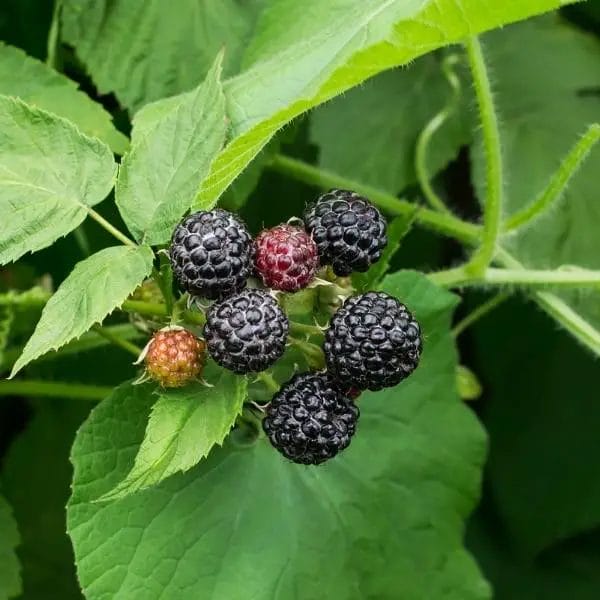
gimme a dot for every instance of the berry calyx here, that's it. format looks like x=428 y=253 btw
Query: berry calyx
x=211 y=254
x=246 y=332
x=373 y=342
x=349 y=231
x=309 y=420
x=286 y=258
x=174 y=357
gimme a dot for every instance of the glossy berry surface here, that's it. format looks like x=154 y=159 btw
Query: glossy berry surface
x=309 y=420
x=372 y=342
x=246 y=332
x=349 y=231
x=286 y=258
x=211 y=254
x=174 y=357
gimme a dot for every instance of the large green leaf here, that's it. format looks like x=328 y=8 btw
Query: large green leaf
x=386 y=116
x=306 y=53
x=95 y=287
x=543 y=417
x=384 y=520
x=144 y=50
x=36 y=478
x=50 y=173
x=10 y=570
x=183 y=427
x=174 y=144
x=541 y=117
x=41 y=86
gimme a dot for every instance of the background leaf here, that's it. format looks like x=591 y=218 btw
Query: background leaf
x=143 y=50
x=95 y=287
x=385 y=517
x=50 y=174
x=386 y=116
x=171 y=152
x=41 y=86
x=183 y=427
x=36 y=478
x=10 y=576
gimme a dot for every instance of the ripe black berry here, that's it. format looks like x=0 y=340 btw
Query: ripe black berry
x=372 y=342
x=309 y=420
x=349 y=231
x=246 y=332
x=211 y=254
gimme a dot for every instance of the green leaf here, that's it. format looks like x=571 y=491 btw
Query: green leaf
x=95 y=287
x=184 y=426
x=41 y=86
x=143 y=50
x=543 y=416
x=173 y=145
x=387 y=115
x=541 y=118
x=36 y=478
x=397 y=229
x=383 y=520
x=304 y=54
x=50 y=173
x=10 y=570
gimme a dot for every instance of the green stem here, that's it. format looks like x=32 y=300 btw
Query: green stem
x=269 y=381
x=313 y=353
x=296 y=327
x=492 y=210
x=53 y=37
x=157 y=309
x=428 y=132
x=53 y=389
x=479 y=312
x=431 y=219
x=557 y=308
x=113 y=338
x=559 y=182
x=110 y=228
x=82 y=241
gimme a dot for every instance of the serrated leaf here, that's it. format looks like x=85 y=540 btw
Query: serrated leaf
x=387 y=115
x=173 y=145
x=39 y=85
x=382 y=520
x=95 y=287
x=541 y=119
x=142 y=50
x=50 y=173
x=10 y=570
x=36 y=476
x=184 y=426
x=312 y=51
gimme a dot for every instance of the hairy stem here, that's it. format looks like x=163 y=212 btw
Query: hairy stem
x=492 y=210
x=559 y=182
x=480 y=312
x=113 y=338
x=303 y=328
x=269 y=381
x=53 y=389
x=110 y=228
x=442 y=223
x=428 y=132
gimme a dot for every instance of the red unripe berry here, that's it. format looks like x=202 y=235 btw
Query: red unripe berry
x=286 y=258
x=174 y=357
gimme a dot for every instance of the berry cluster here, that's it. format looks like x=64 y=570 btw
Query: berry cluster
x=372 y=341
